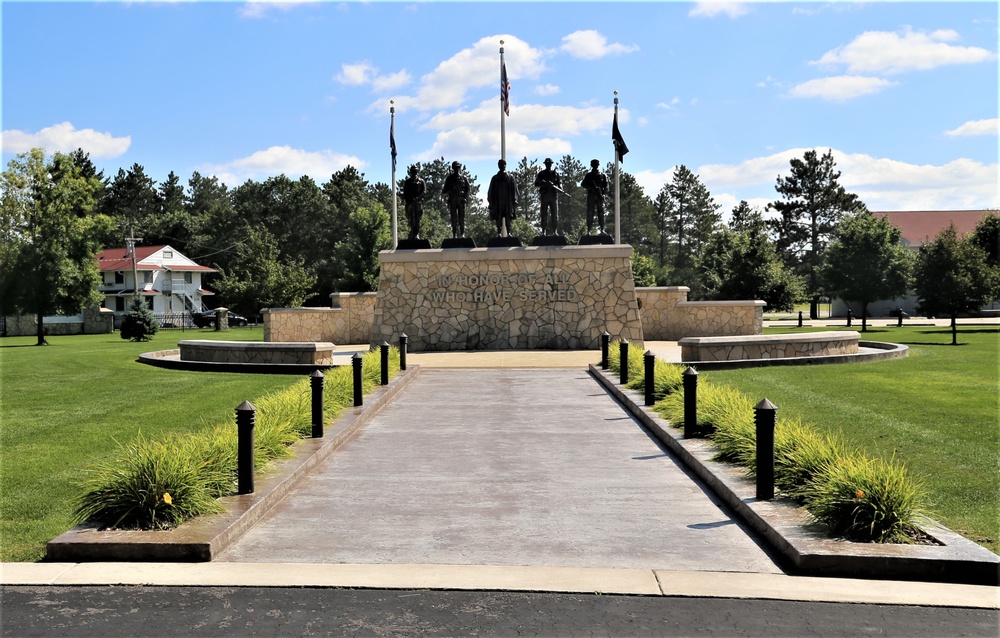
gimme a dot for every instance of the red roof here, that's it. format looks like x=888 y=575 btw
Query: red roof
x=112 y=259
x=919 y=226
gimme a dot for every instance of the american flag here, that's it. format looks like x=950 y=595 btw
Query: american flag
x=504 y=89
x=392 y=143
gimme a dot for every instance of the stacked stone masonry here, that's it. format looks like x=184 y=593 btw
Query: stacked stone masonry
x=349 y=321
x=531 y=298
x=301 y=353
x=667 y=315
x=814 y=344
x=506 y=298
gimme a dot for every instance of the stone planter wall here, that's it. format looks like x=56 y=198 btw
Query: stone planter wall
x=810 y=344
x=350 y=321
x=506 y=298
x=312 y=353
x=96 y=320
x=667 y=315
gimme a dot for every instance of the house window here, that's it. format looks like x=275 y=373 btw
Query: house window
x=119 y=277
x=187 y=278
x=119 y=304
x=168 y=254
x=147 y=277
x=149 y=302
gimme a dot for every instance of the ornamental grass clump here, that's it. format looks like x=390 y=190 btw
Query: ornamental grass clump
x=857 y=497
x=801 y=454
x=159 y=485
x=866 y=499
x=150 y=485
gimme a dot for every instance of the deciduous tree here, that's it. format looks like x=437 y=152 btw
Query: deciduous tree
x=49 y=237
x=866 y=262
x=952 y=277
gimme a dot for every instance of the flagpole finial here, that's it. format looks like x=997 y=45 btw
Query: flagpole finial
x=392 y=106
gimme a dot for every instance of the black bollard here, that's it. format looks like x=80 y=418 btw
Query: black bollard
x=690 y=402
x=246 y=420
x=649 y=361
x=358 y=389
x=605 y=341
x=623 y=361
x=850 y=317
x=402 y=351
x=800 y=318
x=384 y=359
x=316 y=382
x=899 y=323
x=765 y=416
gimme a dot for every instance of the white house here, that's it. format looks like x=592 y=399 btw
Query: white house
x=168 y=281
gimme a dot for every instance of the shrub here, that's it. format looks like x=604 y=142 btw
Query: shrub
x=158 y=485
x=856 y=496
x=150 y=485
x=138 y=323
x=866 y=499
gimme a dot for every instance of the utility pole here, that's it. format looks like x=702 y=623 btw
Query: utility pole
x=130 y=246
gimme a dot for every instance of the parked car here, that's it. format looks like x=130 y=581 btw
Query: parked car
x=207 y=319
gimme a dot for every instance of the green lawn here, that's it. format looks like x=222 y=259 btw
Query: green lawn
x=936 y=410
x=66 y=405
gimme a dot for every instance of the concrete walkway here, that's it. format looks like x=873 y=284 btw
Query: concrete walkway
x=503 y=467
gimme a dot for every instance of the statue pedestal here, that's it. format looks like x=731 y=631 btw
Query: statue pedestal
x=503 y=242
x=549 y=240
x=413 y=244
x=599 y=239
x=458 y=242
x=512 y=298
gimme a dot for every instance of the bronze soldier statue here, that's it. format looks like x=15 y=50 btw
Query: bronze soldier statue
x=413 y=199
x=596 y=184
x=549 y=186
x=502 y=197
x=456 y=191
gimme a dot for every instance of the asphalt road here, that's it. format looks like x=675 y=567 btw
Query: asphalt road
x=109 y=612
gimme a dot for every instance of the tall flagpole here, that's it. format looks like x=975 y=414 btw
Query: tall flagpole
x=503 y=114
x=618 y=216
x=392 y=146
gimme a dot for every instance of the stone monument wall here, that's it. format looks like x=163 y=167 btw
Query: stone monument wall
x=349 y=321
x=667 y=315
x=506 y=298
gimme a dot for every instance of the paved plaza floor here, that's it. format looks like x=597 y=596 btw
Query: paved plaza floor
x=535 y=467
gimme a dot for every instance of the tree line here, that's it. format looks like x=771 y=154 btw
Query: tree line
x=288 y=242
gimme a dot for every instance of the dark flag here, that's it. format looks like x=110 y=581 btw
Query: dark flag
x=616 y=135
x=504 y=89
x=392 y=144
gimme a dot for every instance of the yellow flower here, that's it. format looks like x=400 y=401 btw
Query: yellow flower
x=167 y=499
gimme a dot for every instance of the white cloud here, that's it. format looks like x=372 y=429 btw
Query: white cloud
x=365 y=73
x=895 y=52
x=285 y=160
x=65 y=138
x=591 y=45
x=529 y=118
x=546 y=89
x=840 y=88
x=976 y=127
x=261 y=8
x=713 y=8
x=670 y=105
x=477 y=66
x=881 y=183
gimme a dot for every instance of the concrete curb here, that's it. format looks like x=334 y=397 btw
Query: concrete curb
x=204 y=537
x=787 y=528
x=582 y=580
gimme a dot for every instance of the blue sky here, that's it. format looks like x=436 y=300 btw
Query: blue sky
x=905 y=94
